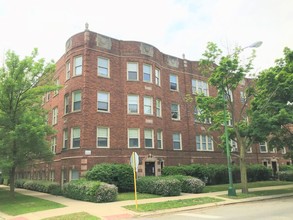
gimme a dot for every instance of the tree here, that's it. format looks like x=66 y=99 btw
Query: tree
x=226 y=73
x=272 y=105
x=23 y=128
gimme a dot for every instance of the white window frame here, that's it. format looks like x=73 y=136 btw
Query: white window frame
x=197 y=112
x=57 y=83
x=147 y=71
x=284 y=150
x=66 y=104
x=67 y=70
x=102 y=67
x=77 y=71
x=249 y=150
x=72 y=174
x=234 y=146
x=159 y=108
x=160 y=139
x=107 y=137
x=65 y=139
x=148 y=132
x=200 y=86
x=172 y=82
x=132 y=102
x=204 y=143
x=174 y=141
x=55 y=116
x=72 y=137
x=148 y=105
x=242 y=97
x=157 y=77
x=107 y=101
x=174 y=112
x=129 y=136
x=130 y=69
x=53 y=144
x=75 y=101
x=261 y=145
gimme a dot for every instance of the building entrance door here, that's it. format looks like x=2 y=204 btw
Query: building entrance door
x=150 y=168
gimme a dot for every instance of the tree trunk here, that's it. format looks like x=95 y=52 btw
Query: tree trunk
x=12 y=181
x=243 y=172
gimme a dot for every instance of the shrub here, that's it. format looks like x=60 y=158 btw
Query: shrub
x=286 y=167
x=41 y=186
x=285 y=175
x=190 y=184
x=258 y=172
x=19 y=183
x=120 y=175
x=159 y=186
x=92 y=191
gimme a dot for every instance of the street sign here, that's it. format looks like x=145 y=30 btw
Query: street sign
x=134 y=161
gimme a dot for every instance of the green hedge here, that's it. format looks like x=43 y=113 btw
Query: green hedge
x=92 y=191
x=286 y=167
x=159 y=186
x=40 y=186
x=286 y=175
x=120 y=175
x=214 y=174
x=190 y=184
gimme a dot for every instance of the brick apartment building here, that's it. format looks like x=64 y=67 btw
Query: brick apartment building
x=124 y=96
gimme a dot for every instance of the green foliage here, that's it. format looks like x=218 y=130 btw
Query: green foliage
x=286 y=175
x=92 y=191
x=286 y=167
x=190 y=184
x=40 y=186
x=159 y=186
x=258 y=172
x=120 y=175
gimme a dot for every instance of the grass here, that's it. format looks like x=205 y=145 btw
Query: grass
x=261 y=193
x=172 y=204
x=224 y=187
x=130 y=196
x=74 y=216
x=21 y=204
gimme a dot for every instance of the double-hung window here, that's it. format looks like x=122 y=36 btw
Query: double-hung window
x=148 y=105
x=159 y=108
x=157 y=77
x=75 y=137
x=133 y=138
x=263 y=147
x=103 y=101
x=159 y=139
x=53 y=144
x=174 y=82
x=177 y=145
x=200 y=87
x=175 y=111
x=67 y=73
x=65 y=139
x=204 y=143
x=133 y=104
x=148 y=138
x=147 y=73
x=66 y=104
x=76 y=100
x=234 y=146
x=77 y=66
x=74 y=175
x=132 y=72
x=54 y=116
x=103 y=67
x=103 y=137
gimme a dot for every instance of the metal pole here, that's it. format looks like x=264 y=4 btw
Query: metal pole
x=231 y=189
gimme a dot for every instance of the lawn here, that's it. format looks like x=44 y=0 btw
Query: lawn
x=224 y=187
x=130 y=196
x=172 y=204
x=74 y=216
x=23 y=204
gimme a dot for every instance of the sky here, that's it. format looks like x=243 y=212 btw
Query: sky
x=175 y=27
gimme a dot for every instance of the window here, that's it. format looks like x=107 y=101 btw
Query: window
x=159 y=108
x=234 y=146
x=147 y=73
x=175 y=111
x=229 y=95
x=132 y=72
x=148 y=105
x=274 y=150
x=52 y=175
x=174 y=82
x=148 y=138
x=229 y=119
x=67 y=73
x=263 y=147
x=103 y=67
x=54 y=116
x=53 y=144
x=133 y=104
x=197 y=118
x=199 y=87
x=65 y=139
x=159 y=139
x=74 y=175
x=177 y=141
x=242 y=97
x=102 y=137
x=77 y=66
x=76 y=101
x=103 y=101
x=57 y=83
x=249 y=150
x=283 y=150
x=133 y=138
x=157 y=77
x=204 y=143
x=75 y=137
x=66 y=104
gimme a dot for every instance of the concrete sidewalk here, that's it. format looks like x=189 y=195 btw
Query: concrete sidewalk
x=115 y=210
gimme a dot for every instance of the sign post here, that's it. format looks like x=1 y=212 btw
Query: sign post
x=134 y=161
